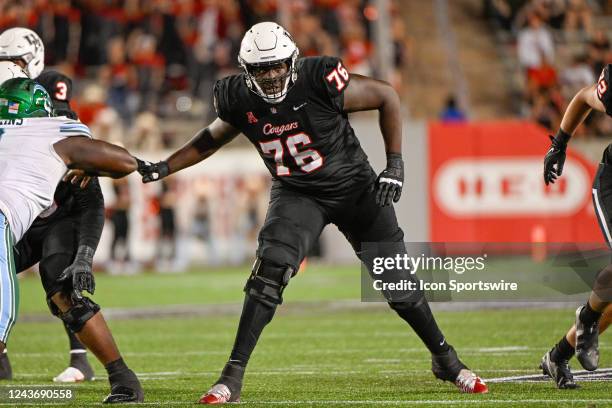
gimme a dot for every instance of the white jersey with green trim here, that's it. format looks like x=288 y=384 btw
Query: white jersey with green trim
x=30 y=169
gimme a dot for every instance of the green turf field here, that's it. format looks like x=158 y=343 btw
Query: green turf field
x=316 y=352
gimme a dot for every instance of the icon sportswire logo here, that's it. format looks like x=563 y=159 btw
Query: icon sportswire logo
x=508 y=187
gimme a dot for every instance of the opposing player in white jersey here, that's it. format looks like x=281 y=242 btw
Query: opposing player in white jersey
x=22 y=55
x=37 y=149
x=50 y=242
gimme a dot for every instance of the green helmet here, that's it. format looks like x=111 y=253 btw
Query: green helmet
x=24 y=98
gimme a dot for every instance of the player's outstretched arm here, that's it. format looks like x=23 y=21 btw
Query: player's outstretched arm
x=579 y=108
x=206 y=142
x=576 y=112
x=96 y=157
x=370 y=94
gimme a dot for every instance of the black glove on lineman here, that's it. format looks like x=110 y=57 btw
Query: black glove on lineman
x=80 y=272
x=390 y=181
x=152 y=171
x=555 y=158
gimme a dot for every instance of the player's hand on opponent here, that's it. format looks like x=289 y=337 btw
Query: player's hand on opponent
x=76 y=176
x=390 y=182
x=152 y=171
x=555 y=157
x=80 y=272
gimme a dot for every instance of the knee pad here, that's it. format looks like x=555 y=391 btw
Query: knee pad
x=51 y=267
x=268 y=281
x=75 y=318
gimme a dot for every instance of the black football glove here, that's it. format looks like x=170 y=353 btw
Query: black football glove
x=152 y=171
x=390 y=182
x=80 y=272
x=555 y=157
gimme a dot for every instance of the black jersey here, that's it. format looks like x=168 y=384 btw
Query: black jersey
x=603 y=88
x=306 y=141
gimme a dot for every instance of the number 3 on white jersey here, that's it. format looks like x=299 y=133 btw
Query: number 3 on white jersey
x=307 y=160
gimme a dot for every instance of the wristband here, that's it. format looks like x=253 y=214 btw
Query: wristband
x=562 y=137
x=395 y=160
x=85 y=253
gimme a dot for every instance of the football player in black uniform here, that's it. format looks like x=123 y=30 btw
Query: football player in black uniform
x=295 y=112
x=593 y=317
x=63 y=241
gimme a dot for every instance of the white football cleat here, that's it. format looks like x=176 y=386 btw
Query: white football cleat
x=218 y=394
x=470 y=383
x=70 y=375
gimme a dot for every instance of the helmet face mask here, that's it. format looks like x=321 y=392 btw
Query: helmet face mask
x=23 y=98
x=268 y=58
x=271 y=80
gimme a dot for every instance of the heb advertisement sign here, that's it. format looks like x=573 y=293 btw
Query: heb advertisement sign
x=486 y=185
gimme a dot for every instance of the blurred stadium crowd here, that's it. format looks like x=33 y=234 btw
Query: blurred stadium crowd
x=553 y=48
x=138 y=62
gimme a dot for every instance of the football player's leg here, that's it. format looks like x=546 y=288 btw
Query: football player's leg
x=25 y=255
x=565 y=349
x=292 y=225
x=82 y=316
x=78 y=368
x=588 y=315
x=9 y=289
x=555 y=363
x=369 y=223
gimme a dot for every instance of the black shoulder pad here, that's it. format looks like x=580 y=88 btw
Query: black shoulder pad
x=329 y=76
x=57 y=84
x=225 y=94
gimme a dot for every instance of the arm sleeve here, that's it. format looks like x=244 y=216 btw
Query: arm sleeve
x=603 y=89
x=331 y=79
x=89 y=204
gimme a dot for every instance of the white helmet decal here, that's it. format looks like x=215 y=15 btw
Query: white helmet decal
x=267 y=44
x=25 y=45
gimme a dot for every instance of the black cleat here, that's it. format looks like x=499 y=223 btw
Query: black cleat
x=447 y=366
x=559 y=371
x=125 y=387
x=6 y=372
x=587 y=343
x=121 y=394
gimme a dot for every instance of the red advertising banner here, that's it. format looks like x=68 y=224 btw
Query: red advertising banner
x=486 y=185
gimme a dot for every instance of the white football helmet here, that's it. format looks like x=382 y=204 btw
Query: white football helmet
x=23 y=44
x=266 y=45
x=10 y=70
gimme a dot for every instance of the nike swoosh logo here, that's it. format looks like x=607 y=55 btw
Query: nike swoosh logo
x=295 y=108
x=442 y=342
